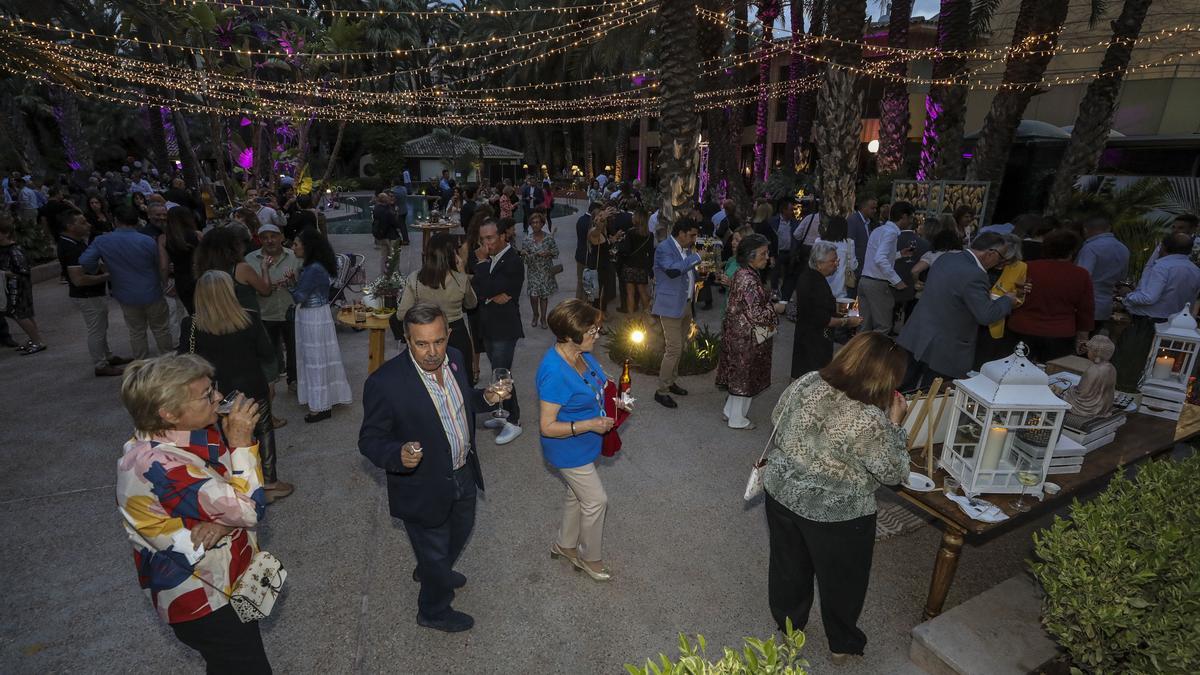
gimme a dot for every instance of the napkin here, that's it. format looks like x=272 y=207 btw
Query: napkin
x=985 y=511
x=181 y=541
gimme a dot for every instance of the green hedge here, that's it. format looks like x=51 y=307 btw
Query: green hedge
x=700 y=355
x=1122 y=575
x=758 y=657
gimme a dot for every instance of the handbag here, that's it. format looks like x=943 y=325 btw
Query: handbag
x=557 y=267
x=762 y=334
x=851 y=278
x=754 y=484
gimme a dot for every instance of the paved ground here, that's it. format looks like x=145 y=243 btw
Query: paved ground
x=687 y=553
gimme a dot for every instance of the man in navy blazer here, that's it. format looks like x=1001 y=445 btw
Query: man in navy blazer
x=858 y=226
x=418 y=426
x=674 y=294
x=499 y=275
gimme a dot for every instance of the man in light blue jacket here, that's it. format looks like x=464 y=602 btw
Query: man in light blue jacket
x=674 y=294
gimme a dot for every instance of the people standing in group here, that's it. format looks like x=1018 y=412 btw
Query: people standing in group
x=131 y=261
x=321 y=378
x=445 y=190
x=1058 y=319
x=16 y=275
x=570 y=387
x=1184 y=223
x=277 y=310
x=385 y=228
x=400 y=208
x=782 y=225
x=840 y=436
x=747 y=333
x=176 y=247
x=879 y=276
x=942 y=332
x=965 y=223
x=583 y=225
x=428 y=452
x=1169 y=286
x=675 y=274
x=179 y=450
x=467 y=211
x=539 y=250
x=89 y=294
x=944 y=239
x=97 y=214
x=499 y=276
x=233 y=340
x=1106 y=260
x=816 y=308
x=835 y=232
x=636 y=255
x=222 y=249
x=442 y=280
x=859 y=226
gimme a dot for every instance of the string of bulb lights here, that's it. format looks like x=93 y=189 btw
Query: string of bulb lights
x=417 y=13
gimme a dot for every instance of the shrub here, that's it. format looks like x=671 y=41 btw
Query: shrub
x=1122 y=576
x=699 y=355
x=756 y=658
x=34 y=240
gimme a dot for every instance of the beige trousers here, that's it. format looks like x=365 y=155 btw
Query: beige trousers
x=675 y=334
x=583 y=512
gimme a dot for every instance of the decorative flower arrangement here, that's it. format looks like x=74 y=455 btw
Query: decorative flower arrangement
x=390 y=284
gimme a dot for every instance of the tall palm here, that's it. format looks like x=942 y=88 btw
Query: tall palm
x=679 y=126
x=1037 y=28
x=839 y=108
x=1095 y=116
x=946 y=104
x=341 y=36
x=768 y=10
x=795 y=72
x=806 y=101
x=893 y=108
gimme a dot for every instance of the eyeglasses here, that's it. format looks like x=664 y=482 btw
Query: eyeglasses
x=594 y=331
x=208 y=393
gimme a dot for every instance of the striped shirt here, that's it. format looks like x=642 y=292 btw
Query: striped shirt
x=448 y=400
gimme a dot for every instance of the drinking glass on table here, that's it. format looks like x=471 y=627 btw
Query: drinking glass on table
x=501 y=380
x=1028 y=474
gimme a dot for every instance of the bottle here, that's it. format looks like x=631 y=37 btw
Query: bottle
x=626 y=382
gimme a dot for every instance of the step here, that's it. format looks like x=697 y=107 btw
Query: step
x=998 y=632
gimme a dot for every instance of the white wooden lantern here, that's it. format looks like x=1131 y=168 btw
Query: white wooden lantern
x=1171 y=361
x=1005 y=412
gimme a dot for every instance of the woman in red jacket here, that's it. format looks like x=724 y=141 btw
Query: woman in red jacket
x=1058 y=314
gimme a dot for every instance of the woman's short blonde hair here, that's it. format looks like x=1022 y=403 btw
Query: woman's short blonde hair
x=868 y=369
x=217 y=309
x=161 y=383
x=571 y=319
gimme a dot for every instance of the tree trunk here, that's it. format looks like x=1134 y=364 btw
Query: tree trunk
x=795 y=72
x=15 y=135
x=679 y=125
x=152 y=118
x=263 y=143
x=621 y=150
x=193 y=172
x=70 y=127
x=589 y=151
x=216 y=131
x=893 y=113
x=568 y=151
x=946 y=104
x=767 y=11
x=1038 y=24
x=1095 y=116
x=839 y=109
x=531 y=148
x=337 y=146
x=806 y=104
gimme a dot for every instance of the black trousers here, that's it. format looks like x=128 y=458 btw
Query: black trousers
x=437 y=548
x=838 y=555
x=460 y=339
x=919 y=376
x=283 y=333
x=1041 y=347
x=402 y=226
x=227 y=644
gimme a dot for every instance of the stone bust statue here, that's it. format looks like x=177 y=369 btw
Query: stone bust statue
x=1093 y=396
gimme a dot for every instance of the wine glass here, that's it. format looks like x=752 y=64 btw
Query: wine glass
x=1028 y=475
x=501 y=378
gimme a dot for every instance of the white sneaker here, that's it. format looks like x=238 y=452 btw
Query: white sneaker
x=510 y=432
x=493 y=423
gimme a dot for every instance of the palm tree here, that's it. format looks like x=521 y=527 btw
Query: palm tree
x=806 y=102
x=893 y=108
x=795 y=72
x=342 y=36
x=1035 y=37
x=679 y=125
x=946 y=104
x=839 y=108
x=768 y=10
x=1095 y=116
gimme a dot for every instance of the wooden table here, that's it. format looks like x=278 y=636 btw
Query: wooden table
x=1142 y=436
x=427 y=228
x=377 y=346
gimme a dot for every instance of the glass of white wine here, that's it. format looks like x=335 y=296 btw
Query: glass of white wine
x=501 y=378
x=1028 y=474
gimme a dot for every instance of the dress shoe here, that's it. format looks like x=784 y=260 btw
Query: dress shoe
x=666 y=401
x=677 y=390
x=118 y=361
x=278 y=490
x=457 y=579
x=508 y=434
x=749 y=426
x=109 y=371
x=493 y=423
x=318 y=417
x=603 y=575
x=278 y=422
x=453 y=622
x=843 y=659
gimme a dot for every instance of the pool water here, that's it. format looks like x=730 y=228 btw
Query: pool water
x=360 y=222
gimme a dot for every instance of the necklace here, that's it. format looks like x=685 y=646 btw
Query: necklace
x=591 y=383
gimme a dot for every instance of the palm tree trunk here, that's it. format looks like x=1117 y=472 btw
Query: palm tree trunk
x=795 y=72
x=768 y=10
x=216 y=131
x=806 y=105
x=1096 y=110
x=1040 y=19
x=621 y=150
x=337 y=146
x=66 y=113
x=679 y=125
x=589 y=151
x=839 y=109
x=893 y=116
x=152 y=116
x=192 y=171
x=946 y=104
x=568 y=151
x=15 y=136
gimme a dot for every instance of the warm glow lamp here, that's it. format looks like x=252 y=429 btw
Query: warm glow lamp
x=873 y=146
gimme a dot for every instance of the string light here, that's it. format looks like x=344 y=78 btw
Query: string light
x=366 y=13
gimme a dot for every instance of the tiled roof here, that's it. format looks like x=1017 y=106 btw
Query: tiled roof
x=432 y=145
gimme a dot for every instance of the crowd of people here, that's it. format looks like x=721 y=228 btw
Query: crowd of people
x=236 y=304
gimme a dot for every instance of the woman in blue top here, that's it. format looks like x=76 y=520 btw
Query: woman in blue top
x=321 y=379
x=570 y=384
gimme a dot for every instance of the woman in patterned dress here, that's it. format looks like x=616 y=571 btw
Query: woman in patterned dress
x=16 y=275
x=745 y=366
x=539 y=250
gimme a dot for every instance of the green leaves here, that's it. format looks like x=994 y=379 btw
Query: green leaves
x=1120 y=577
x=758 y=657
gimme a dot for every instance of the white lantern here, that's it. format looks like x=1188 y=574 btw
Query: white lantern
x=1171 y=362
x=1004 y=414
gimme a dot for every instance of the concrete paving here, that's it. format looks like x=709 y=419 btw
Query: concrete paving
x=688 y=554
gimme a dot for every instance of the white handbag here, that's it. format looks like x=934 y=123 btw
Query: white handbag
x=754 y=484
x=255 y=592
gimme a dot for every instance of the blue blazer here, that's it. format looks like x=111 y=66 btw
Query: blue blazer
x=671 y=279
x=397 y=409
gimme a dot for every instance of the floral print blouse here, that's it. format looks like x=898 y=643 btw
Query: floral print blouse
x=171 y=482
x=832 y=452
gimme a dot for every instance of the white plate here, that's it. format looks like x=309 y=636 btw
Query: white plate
x=919 y=482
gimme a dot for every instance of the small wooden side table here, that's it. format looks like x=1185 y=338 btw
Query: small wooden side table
x=377 y=345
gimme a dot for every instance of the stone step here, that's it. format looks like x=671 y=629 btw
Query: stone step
x=998 y=632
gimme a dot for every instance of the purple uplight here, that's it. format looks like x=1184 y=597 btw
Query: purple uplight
x=639 y=80
x=968 y=155
x=246 y=122
x=245 y=158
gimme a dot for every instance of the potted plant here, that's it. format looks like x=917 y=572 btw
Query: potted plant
x=758 y=657
x=385 y=290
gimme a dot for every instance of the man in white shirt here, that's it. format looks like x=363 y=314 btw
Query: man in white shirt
x=602 y=180
x=140 y=184
x=269 y=213
x=879 y=276
x=720 y=216
x=407 y=179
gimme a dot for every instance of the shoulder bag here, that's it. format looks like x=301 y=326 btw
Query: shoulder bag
x=851 y=277
x=754 y=484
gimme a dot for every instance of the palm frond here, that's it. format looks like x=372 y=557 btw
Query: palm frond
x=981 y=16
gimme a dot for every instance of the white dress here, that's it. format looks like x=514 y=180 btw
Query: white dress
x=846 y=260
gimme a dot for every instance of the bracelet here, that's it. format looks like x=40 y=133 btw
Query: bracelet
x=572 y=428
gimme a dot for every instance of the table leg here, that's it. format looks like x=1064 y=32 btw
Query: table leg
x=944 y=568
x=377 y=349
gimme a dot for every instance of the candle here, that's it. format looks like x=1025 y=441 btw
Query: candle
x=993 y=447
x=1163 y=366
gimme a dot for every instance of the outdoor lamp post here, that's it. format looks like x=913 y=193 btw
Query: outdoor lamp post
x=1005 y=416
x=1171 y=362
